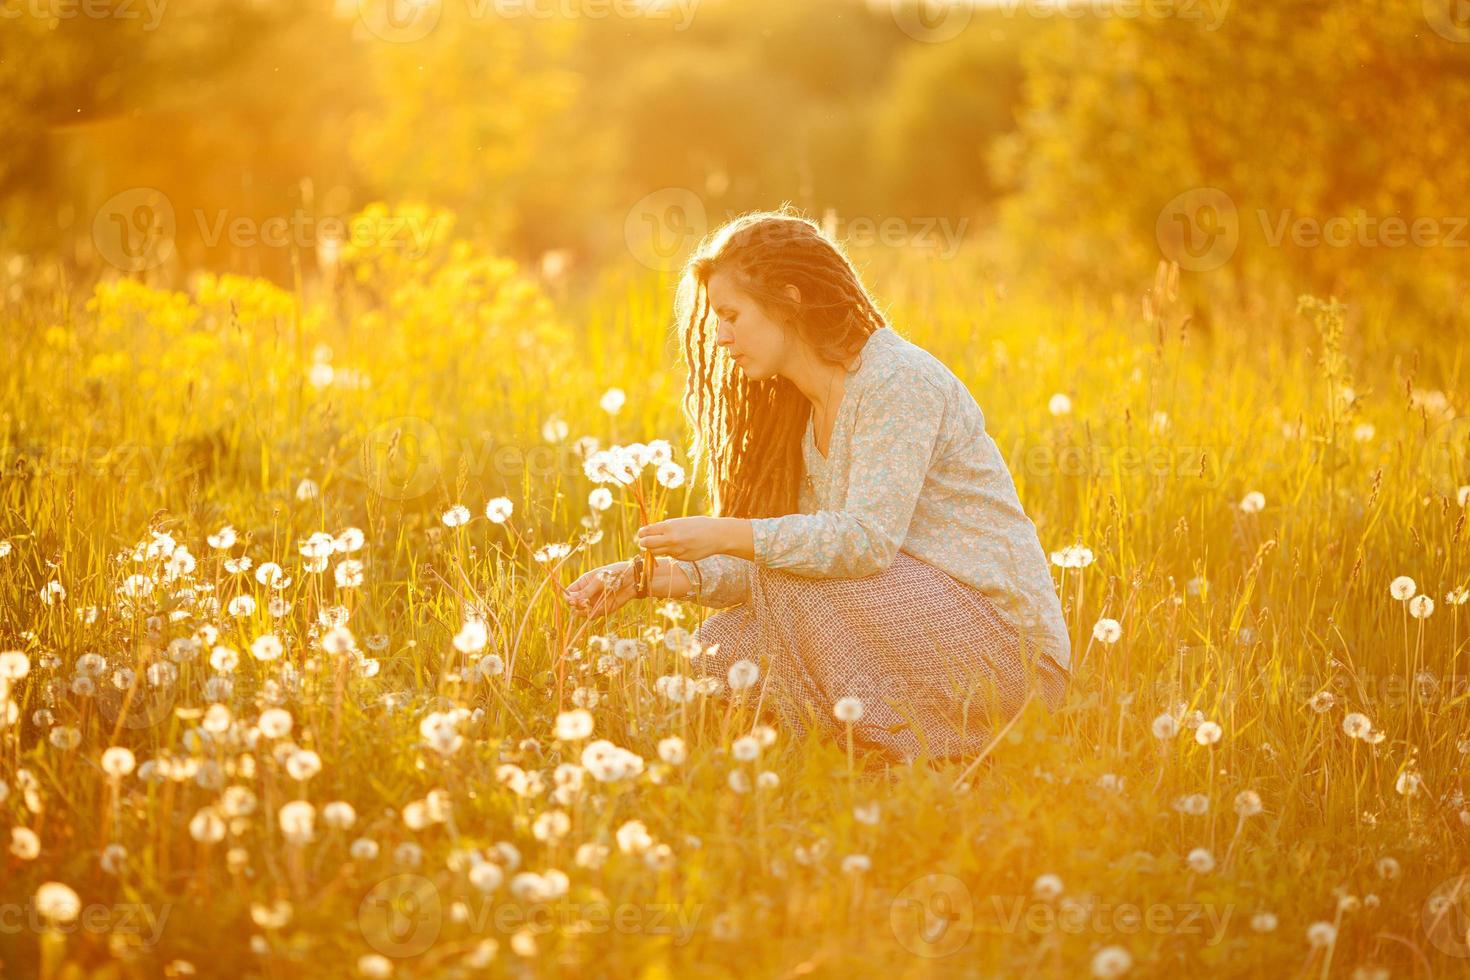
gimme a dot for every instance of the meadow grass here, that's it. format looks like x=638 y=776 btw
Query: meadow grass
x=1260 y=770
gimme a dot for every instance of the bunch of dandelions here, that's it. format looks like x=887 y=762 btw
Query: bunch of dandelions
x=625 y=467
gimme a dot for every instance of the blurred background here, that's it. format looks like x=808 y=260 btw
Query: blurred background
x=1273 y=149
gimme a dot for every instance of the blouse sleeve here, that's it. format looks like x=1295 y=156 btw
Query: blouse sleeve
x=895 y=430
x=719 y=580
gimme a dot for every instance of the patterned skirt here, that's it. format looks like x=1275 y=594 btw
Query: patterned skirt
x=936 y=667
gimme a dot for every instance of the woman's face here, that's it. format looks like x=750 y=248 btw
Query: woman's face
x=758 y=344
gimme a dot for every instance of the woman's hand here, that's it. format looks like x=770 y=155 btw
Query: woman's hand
x=602 y=591
x=688 y=538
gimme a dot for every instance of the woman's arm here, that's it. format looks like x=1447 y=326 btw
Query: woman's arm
x=713 y=553
x=719 y=580
x=895 y=434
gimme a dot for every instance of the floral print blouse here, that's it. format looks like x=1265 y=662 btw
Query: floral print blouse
x=910 y=467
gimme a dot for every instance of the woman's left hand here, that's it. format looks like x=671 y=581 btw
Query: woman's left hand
x=685 y=538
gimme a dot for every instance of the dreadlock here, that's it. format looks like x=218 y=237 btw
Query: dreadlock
x=747 y=434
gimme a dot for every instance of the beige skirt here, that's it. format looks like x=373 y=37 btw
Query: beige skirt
x=936 y=667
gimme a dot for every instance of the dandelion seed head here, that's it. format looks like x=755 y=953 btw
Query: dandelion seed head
x=1208 y=733
x=1107 y=631
x=1110 y=962
x=1402 y=588
x=57 y=902
x=848 y=710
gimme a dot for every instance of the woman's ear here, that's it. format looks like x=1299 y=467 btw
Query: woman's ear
x=793 y=292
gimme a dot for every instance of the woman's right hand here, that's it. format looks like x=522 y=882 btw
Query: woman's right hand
x=602 y=591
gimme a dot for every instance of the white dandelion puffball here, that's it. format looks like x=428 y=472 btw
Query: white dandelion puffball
x=600 y=499
x=746 y=748
x=1408 y=783
x=487 y=876
x=499 y=510
x=339 y=815
x=1107 y=631
x=338 y=641
x=25 y=843
x=1201 y=861
x=472 y=637
x=117 y=761
x=743 y=674
x=1208 y=733
x=1072 y=556
x=1059 y=404
x=456 y=516
x=267 y=646
x=848 y=710
x=1253 y=502
x=554 y=429
x=374 y=966
x=672 y=750
x=296 y=820
x=612 y=401
x=57 y=902
x=1111 y=961
x=1247 y=803
x=573 y=725
x=633 y=837
x=207 y=827
x=348 y=574
x=303 y=764
x=1421 y=607
x=1357 y=725
x=1165 y=726
x=1047 y=887
x=1263 y=922
x=1321 y=934
x=1403 y=588
x=274 y=722
x=14 y=665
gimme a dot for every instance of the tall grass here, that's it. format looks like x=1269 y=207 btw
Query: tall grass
x=1243 y=496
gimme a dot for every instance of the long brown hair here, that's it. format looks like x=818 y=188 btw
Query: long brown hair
x=747 y=434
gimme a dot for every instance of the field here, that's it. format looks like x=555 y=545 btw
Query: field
x=274 y=706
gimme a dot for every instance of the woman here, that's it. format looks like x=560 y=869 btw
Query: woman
x=869 y=542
